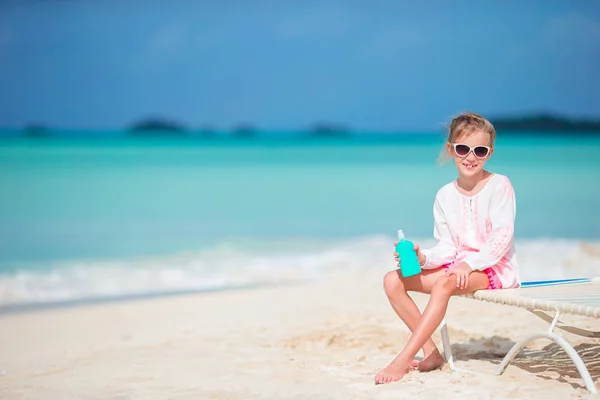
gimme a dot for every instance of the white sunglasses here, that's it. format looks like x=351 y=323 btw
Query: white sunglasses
x=463 y=150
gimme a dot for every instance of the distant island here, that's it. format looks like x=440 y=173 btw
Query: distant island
x=329 y=130
x=545 y=123
x=156 y=127
x=167 y=127
x=244 y=130
x=537 y=124
x=37 y=130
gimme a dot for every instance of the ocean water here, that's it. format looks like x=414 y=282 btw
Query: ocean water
x=88 y=218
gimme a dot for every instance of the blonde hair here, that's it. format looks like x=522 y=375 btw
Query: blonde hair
x=465 y=124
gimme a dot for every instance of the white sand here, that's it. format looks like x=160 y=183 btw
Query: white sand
x=311 y=341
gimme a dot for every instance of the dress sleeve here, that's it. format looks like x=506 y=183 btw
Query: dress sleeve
x=502 y=218
x=445 y=250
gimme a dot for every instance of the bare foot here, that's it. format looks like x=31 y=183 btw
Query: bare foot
x=429 y=363
x=393 y=372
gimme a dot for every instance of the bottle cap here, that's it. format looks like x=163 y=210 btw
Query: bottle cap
x=400 y=234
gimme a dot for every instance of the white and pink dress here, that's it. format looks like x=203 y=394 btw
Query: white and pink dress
x=478 y=230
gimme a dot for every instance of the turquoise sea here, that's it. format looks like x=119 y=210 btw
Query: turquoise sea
x=88 y=218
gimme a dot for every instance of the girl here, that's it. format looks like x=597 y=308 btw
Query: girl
x=474 y=224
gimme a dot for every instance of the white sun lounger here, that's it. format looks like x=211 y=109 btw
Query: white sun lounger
x=544 y=298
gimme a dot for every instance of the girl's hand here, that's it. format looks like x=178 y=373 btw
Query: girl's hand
x=396 y=255
x=420 y=255
x=462 y=272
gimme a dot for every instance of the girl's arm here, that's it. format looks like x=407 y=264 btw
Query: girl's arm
x=502 y=217
x=444 y=251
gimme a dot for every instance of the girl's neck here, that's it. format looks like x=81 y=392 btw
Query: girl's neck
x=472 y=184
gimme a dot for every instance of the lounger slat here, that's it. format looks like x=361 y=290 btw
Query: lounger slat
x=578 y=298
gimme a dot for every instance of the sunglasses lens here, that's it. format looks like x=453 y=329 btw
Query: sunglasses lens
x=481 y=152
x=461 y=149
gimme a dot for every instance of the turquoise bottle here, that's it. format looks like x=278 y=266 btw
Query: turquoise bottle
x=409 y=262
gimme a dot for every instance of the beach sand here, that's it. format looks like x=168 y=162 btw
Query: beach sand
x=318 y=340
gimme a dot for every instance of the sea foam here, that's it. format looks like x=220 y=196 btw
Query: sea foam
x=230 y=266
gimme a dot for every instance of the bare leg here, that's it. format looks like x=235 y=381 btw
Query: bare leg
x=396 y=287
x=443 y=289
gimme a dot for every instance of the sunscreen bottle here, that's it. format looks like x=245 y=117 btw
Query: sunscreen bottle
x=409 y=262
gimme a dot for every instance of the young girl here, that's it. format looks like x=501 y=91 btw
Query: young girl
x=474 y=224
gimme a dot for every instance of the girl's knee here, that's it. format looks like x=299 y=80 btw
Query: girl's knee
x=444 y=284
x=392 y=282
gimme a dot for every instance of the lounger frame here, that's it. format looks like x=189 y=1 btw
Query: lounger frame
x=549 y=308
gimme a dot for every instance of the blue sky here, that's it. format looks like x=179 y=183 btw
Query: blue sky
x=382 y=65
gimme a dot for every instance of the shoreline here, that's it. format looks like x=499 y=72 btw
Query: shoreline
x=318 y=339
x=19 y=308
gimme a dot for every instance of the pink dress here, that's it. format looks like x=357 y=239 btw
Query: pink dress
x=478 y=230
